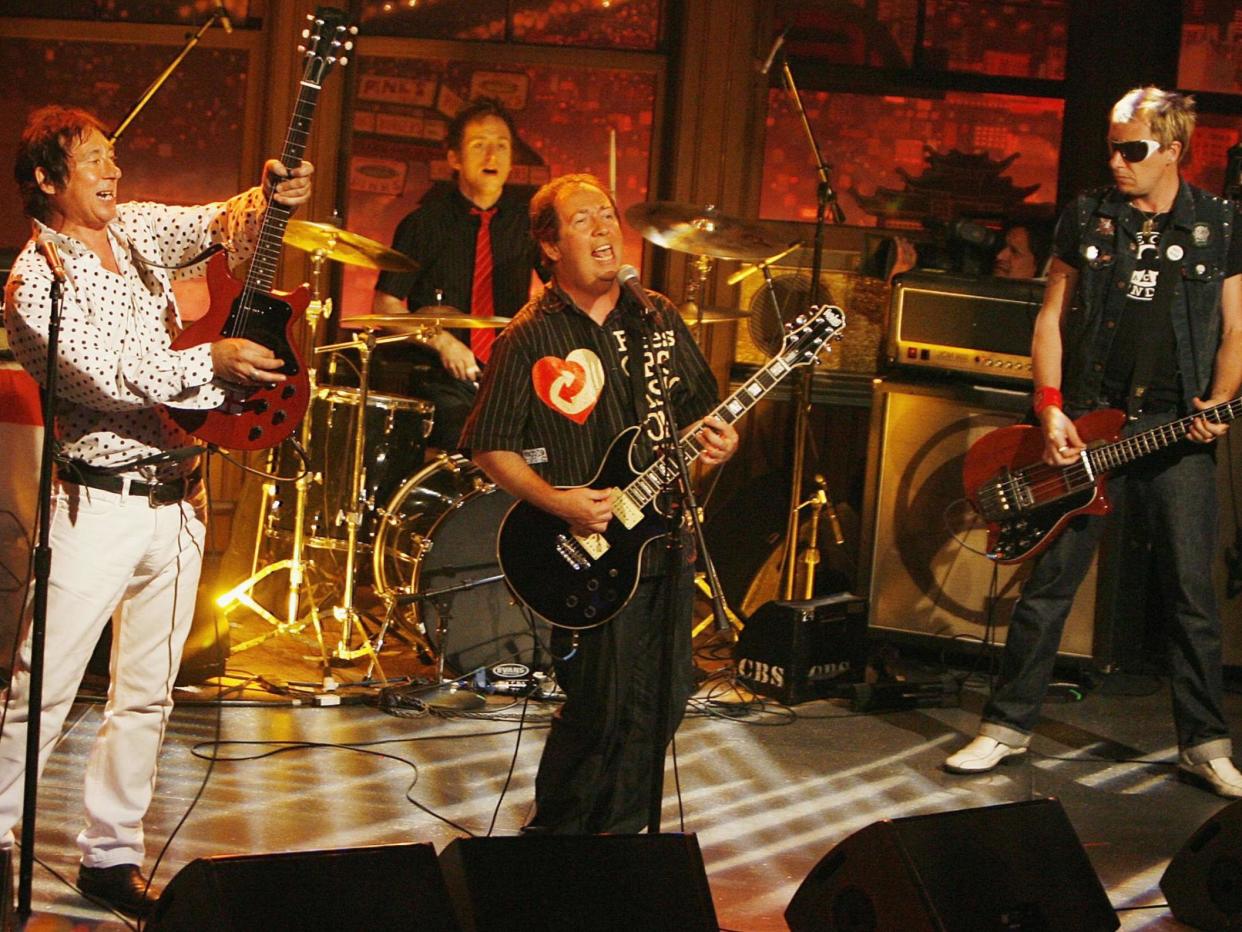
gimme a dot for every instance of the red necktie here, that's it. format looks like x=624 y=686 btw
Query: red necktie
x=481 y=291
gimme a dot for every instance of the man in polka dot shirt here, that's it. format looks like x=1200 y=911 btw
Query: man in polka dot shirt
x=124 y=538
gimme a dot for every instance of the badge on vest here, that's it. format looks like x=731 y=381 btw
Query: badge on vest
x=1175 y=253
x=1104 y=226
x=1201 y=233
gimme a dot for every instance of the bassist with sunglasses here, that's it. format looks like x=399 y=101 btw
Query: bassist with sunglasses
x=1142 y=313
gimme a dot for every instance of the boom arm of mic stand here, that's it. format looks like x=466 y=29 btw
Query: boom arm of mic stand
x=164 y=75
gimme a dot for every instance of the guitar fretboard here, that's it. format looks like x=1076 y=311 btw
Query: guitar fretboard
x=262 y=275
x=1120 y=452
x=800 y=348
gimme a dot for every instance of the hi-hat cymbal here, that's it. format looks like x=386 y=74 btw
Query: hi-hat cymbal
x=691 y=313
x=427 y=318
x=343 y=246
x=704 y=231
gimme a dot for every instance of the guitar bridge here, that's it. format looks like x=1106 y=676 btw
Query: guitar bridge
x=572 y=551
x=1006 y=497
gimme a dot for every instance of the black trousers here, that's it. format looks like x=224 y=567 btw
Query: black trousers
x=595 y=773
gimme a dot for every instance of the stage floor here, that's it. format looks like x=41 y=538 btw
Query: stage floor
x=768 y=790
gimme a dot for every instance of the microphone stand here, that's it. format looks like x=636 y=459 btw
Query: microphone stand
x=38 y=624
x=826 y=200
x=217 y=14
x=664 y=685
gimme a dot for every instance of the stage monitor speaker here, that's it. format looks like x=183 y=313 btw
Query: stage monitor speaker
x=559 y=883
x=921 y=542
x=1203 y=882
x=1018 y=867
x=381 y=887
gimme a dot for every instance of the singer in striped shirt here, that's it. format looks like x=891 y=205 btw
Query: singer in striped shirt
x=557 y=392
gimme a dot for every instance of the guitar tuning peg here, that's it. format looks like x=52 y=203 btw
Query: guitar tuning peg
x=305 y=33
x=349 y=46
x=343 y=61
x=301 y=48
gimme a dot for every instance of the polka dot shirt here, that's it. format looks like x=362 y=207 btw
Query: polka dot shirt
x=116 y=369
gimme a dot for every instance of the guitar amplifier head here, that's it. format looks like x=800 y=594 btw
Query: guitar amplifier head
x=980 y=327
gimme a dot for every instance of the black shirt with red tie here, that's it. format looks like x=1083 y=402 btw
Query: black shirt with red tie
x=441 y=234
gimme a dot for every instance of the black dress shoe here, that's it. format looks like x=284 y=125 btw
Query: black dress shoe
x=121 y=886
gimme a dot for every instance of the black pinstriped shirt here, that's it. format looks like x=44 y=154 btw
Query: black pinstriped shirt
x=559 y=389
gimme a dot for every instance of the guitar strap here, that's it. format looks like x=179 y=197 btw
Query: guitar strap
x=1158 y=319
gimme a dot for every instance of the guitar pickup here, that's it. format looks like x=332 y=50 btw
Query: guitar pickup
x=625 y=510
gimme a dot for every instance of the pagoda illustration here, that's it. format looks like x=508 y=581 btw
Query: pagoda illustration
x=955 y=184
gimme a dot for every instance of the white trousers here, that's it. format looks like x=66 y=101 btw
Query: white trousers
x=117 y=557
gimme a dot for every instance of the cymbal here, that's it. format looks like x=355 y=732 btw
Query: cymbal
x=710 y=315
x=427 y=318
x=343 y=246
x=704 y=231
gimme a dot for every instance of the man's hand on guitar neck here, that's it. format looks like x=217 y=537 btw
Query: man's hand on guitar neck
x=716 y=439
x=1062 y=444
x=1202 y=430
x=291 y=188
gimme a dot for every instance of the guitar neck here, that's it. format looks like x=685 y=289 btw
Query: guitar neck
x=1114 y=455
x=262 y=275
x=663 y=471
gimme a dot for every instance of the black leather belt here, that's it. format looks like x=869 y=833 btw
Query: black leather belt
x=156 y=493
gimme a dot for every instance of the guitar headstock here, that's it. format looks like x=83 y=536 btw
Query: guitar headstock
x=325 y=42
x=807 y=334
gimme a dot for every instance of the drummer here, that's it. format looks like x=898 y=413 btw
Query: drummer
x=475 y=254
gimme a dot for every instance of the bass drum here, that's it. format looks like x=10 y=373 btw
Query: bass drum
x=438 y=531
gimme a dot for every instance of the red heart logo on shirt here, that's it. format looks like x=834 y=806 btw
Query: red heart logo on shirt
x=569 y=386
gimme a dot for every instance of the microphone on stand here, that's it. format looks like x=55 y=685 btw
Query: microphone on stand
x=627 y=278
x=776 y=47
x=52 y=255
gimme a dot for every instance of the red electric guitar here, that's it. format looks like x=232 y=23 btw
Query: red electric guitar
x=257 y=417
x=1026 y=503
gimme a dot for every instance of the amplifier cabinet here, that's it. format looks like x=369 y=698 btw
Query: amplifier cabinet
x=921 y=541
x=980 y=327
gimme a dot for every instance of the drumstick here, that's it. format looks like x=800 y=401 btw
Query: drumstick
x=612 y=161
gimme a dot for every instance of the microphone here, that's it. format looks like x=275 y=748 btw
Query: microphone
x=627 y=278
x=52 y=255
x=776 y=47
x=223 y=16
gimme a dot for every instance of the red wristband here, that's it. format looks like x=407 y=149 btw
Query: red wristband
x=1046 y=396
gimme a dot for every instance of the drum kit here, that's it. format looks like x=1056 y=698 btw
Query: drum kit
x=426 y=537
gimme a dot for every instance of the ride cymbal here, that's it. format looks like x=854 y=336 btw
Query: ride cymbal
x=704 y=231
x=343 y=246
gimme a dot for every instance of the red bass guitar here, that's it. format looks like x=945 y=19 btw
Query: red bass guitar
x=258 y=417
x=1026 y=503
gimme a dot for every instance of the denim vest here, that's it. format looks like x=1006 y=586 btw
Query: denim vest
x=1107 y=252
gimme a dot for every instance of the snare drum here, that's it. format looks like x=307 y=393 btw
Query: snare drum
x=438 y=531
x=395 y=439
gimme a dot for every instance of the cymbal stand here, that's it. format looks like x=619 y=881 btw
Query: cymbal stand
x=346 y=613
x=694 y=290
x=318 y=309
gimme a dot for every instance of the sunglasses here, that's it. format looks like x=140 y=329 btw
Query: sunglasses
x=1134 y=151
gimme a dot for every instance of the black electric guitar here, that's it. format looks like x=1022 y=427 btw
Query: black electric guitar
x=257 y=417
x=582 y=582
x=1026 y=503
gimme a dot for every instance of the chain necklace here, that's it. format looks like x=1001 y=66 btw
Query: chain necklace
x=1149 y=220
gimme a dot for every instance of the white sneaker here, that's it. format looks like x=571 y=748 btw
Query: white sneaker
x=1217 y=775
x=981 y=755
